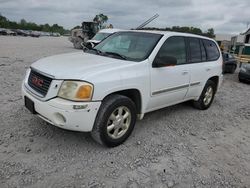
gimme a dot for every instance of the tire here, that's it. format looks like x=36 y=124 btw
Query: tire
x=233 y=69
x=241 y=80
x=111 y=114
x=201 y=103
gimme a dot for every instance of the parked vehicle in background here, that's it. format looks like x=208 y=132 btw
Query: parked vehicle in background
x=35 y=34
x=4 y=31
x=82 y=35
x=83 y=38
x=25 y=33
x=101 y=35
x=104 y=90
x=55 y=34
x=21 y=32
x=11 y=33
x=244 y=74
x=44 y=34
x=229 y=63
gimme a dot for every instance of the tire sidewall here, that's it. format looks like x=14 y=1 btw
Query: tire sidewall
x=105 y=138
x=208 y=84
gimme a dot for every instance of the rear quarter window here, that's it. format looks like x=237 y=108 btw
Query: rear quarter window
x=213 y=52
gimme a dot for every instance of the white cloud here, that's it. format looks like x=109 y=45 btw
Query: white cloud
x=227 y=16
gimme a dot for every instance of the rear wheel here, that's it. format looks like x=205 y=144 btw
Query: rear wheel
x=241 y=80
x=233 y=69
x=206 y=97
x=115 y=121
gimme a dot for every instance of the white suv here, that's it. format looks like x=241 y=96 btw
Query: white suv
x=104 y=90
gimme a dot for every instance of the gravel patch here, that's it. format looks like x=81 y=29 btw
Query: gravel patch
x=177 y=146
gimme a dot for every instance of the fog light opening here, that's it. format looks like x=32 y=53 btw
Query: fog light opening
x=59 y=119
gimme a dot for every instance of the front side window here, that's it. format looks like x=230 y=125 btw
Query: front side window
x=174 y=47
x=134 y=46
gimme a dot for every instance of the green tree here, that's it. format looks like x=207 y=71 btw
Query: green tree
x=2 y=18
x=77 y=27
x=210 y=32
x=100 y=19
x=195 y=30
x=3 y=21
x=46 y=27
x=23 y=24
x=185 y=29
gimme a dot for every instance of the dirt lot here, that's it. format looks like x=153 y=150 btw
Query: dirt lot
x=174 y=147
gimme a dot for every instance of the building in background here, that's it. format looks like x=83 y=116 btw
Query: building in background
x=224 y=41
x=240 y=44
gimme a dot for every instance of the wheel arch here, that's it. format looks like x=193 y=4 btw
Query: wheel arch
x=133 y=94
x=215 y=79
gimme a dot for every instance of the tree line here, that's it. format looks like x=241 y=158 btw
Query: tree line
x=23 y=24
x=185 y=29
x=100 y=19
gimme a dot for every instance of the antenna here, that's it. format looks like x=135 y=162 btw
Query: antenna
x=148 y=21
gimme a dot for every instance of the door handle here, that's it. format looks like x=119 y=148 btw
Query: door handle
x=208 y=69
x=184 y=72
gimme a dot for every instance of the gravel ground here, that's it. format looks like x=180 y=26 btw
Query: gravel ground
x=174 y=147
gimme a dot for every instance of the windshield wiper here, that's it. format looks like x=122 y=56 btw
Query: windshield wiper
x=99 y=52
x=117 y=55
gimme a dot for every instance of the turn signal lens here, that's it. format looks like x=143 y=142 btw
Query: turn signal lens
x=84 y=92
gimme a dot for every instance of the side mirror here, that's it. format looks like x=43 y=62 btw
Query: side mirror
x=164 y=61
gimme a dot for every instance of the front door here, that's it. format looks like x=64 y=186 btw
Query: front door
x=170 y=84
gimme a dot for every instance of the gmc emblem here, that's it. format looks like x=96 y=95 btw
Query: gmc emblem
x=37 y=81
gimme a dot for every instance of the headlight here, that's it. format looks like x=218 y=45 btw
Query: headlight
x=243 y=69
x=76 y=91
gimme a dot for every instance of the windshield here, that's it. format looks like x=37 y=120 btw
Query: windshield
x=134 y=46
x=100 y=36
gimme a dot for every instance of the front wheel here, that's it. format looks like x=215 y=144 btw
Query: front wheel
x=115 y=121
x=206 y=97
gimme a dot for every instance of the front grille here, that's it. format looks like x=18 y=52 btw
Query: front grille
x=39 y=82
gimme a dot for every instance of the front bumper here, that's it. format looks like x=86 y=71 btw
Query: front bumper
x=60 y=112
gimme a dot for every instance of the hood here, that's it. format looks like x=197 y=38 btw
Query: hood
x=77 y=65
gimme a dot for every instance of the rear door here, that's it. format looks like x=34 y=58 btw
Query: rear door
x=203 y=55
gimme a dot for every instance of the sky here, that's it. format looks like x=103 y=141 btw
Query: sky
x=225 y=16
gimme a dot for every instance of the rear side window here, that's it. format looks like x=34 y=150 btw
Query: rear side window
x=211 y=49
x=203 y=52
x=195 y=50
